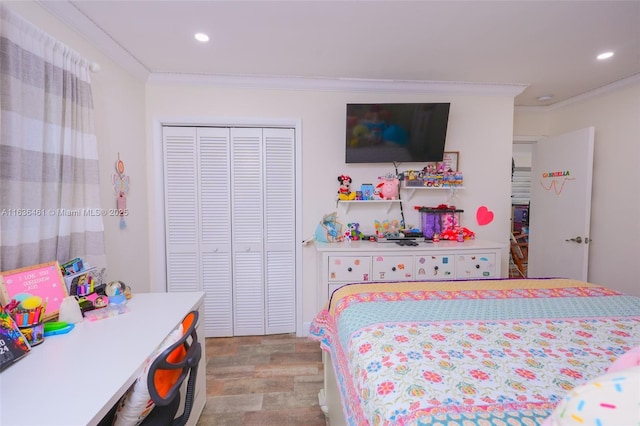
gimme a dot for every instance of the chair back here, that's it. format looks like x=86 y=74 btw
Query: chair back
x=169 y=370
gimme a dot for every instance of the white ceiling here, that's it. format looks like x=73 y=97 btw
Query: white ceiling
x=548 y=45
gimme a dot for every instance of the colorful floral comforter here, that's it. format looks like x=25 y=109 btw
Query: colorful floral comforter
x=486 y=352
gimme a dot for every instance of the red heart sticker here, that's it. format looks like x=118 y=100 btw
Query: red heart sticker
x=484 y=216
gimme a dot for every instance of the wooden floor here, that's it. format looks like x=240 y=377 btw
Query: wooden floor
x=263 y=381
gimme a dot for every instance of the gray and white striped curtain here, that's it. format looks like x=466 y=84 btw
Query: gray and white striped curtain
x=49 y=177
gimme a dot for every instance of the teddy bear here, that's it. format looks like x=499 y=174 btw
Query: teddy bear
x=344 y=192
x=354 y=231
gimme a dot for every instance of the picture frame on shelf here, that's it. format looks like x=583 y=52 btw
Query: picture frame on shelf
x=450 y=161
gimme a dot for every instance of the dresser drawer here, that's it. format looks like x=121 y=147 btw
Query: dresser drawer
x=476 y=265
x=349 y=268
x=435 y=267
x=392 y=268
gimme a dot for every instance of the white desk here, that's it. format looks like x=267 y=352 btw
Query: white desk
x=75 y=378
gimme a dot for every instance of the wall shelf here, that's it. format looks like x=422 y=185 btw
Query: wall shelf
x=412 y=189
x=348 y=203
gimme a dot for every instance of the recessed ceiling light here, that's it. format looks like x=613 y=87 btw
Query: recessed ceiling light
x=605 y=55
x=544 y=98
x=201 y=37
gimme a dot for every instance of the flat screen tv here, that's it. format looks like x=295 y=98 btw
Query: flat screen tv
x=402 y=132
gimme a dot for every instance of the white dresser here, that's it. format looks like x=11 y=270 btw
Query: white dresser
x=365 y=261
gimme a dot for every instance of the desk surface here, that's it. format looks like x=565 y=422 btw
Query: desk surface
x=75 y=378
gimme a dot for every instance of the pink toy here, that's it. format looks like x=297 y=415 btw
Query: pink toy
x=388 y=187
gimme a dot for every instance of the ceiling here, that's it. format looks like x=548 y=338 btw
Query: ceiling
x=550 y=46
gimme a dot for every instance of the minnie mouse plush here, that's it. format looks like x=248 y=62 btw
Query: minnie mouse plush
x=344 y=192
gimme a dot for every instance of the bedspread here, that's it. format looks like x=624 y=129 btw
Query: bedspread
x=473 y=352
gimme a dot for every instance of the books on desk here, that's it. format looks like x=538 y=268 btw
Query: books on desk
x=13 y=344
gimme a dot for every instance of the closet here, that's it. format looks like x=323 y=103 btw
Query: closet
x=229 y=225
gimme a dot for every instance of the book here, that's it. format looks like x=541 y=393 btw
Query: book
x=13 y=344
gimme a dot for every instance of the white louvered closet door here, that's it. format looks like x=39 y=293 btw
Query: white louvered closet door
x=215 y=227
x=181 y=208
x=197 y=216
x=247 y=200
x=280 y=218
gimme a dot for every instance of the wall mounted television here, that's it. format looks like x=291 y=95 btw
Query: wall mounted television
x=396 y=132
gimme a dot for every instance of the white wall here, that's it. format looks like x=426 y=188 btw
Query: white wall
x=118 y=100
x=615 y=208
x=480 y=127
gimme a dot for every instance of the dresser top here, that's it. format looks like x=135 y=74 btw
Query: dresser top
x=370 y=246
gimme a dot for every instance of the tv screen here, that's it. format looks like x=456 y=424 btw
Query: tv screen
x=403 y=132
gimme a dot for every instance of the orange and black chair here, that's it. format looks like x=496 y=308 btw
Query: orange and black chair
x=168 y=373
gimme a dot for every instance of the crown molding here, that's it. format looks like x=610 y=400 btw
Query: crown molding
x=612 y=87
x=339 y=84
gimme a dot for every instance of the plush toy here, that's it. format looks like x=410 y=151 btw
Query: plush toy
x=611 y=399
x=344 y=192
x=353 y=229
x=389 y=187
x=458 y=234
x=377 y=192
x=329 y=230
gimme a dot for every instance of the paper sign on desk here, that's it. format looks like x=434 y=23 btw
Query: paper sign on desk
x=44 y=280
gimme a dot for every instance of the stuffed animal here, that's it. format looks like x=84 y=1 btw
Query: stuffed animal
x=329 y=230
x=354 y=232
x=389 y=187
x=344 y=192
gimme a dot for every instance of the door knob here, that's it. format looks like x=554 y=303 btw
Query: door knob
x=576 y=239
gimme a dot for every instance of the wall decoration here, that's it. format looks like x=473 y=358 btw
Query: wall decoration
x=121 y=190
x=565 y=175
x=484 y=216
x=449 y=161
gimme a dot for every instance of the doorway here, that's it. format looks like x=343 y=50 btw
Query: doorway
x=558 y=235
x=520 y=207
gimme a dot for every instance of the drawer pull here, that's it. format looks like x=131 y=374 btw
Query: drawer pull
x=349 y=269
x=393 y=269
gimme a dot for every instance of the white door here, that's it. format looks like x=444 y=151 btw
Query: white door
x=279 y=233
x=559 y=219
x=247 y=225
x=197 y=216
x=215 y=241
x=263 y=219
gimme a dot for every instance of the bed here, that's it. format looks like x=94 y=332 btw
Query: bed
x=485 y=352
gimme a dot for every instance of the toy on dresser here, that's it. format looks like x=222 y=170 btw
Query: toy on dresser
x=353 y=232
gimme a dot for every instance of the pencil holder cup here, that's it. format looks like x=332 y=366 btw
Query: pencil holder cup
x=30 y=323
x=33 y=333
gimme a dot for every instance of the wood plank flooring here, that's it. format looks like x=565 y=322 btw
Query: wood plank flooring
x=263 y=381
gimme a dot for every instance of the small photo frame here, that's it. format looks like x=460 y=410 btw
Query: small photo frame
x=450 y=161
